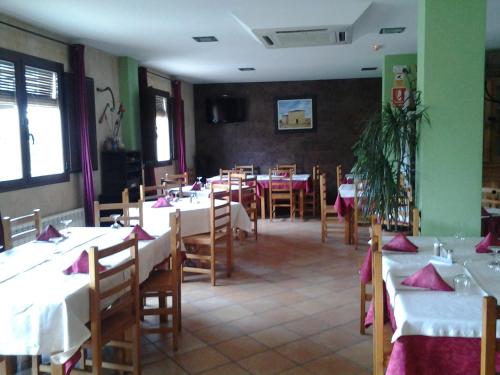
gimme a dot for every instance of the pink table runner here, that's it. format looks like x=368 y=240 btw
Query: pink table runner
x=342 y=205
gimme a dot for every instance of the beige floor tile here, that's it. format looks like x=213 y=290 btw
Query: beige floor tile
x=333 y=365
x=234 y=312
x=251 y=324
x=307 y=326
x=200 y=360
x=266 y=363
x=240 y=348
x=282 y=315
x=341 y=315
x=275 y=336
x=310 y=306
x=360 y=353
x=337 y=338
x=261 y=305
x=229 y=369
x=218 y=333
x=303 y=351
x=187 y=342
x=296 y=371
x=162 y=367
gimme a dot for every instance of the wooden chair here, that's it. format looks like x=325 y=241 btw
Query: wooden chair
x=359 y=218
x=382 y=333
x=202 y=248
x=311 y=198
x=415 y=224
x=130 y=213
x=149 y=193
x=246 y=168
x=328 y=212
x=490 y=197
x=177 y=178
x=166 y=282
x=293 y=167
x=339 y=175
x=110 y=324
x=224 y=174
x=35 y=219
x=247 y=196
x=490 y=345
x=281 y=192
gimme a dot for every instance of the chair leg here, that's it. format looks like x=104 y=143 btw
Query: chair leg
x=212 y=264
x=179 y=306
x=229 y=256
x=162 y=304
x=175 y=318
x=362 y=308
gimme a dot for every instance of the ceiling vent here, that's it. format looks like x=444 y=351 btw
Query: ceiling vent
x=304 y=36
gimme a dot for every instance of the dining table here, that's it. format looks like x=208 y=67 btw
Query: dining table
x=301 y=183
x=344 y=205
x=437 y=332
x=46 y=311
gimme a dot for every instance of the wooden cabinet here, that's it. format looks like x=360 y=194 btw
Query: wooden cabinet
x=119 y=170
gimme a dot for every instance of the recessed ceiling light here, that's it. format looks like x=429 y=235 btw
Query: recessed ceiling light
x=246 y=69
x=368 y=68
x=205 y=39
x=392 y=30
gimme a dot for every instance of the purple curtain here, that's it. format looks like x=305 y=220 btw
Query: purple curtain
x=77 y=54
x=180 y=142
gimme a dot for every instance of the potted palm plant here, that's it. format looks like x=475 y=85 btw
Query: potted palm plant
x=385 y=157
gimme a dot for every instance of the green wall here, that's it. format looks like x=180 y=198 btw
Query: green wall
x=451 y=77
x=129 y=96
x=410 y=60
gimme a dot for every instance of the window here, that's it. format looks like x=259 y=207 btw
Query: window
x=156 y=131
x=32 y=135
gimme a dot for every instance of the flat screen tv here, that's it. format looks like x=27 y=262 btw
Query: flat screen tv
x=225 y=110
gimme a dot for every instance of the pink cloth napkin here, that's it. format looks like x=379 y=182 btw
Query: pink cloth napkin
x=427 y=278
x=196 y=186
x=72 y=362
x=48 y=233
x=489 y=240
x=162 y=202
x=401 y=243
x=140 y=233
x=81 y=265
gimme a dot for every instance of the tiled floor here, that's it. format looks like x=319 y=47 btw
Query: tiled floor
x=290 y=307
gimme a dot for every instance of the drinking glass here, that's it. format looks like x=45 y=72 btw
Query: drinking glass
x=66 y=223
x=459 y=231
x=462 y=284
x=115 y=217
x=55 y=241
x=495 y=263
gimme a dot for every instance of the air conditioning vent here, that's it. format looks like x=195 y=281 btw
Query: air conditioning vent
x=304 y=36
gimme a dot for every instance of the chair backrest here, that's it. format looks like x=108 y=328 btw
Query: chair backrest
x=224 y=174
x=415 y=224
x=315 y=177
x=247 y=189
x=246 y=168
x=489 y=342
x=339 y=175
x=149 y=193
x=128 y=213
x=114 y=293
x=177 y=178
x=220 y=213
x=280 y=181
x=490 y=197
x=378 y=298
x=293 y=167
x=322 y=192
x=34 y=218
x=175 y=242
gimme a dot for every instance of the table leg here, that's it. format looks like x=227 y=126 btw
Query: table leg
x=348 y=227
x=6 y=365
x=301 y=203
x=263 y=205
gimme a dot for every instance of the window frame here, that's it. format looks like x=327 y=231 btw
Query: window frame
x=20 y=60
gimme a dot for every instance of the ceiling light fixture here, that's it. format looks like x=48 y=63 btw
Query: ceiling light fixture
x=249 y=69
x=392 y=30
x=205 y=39
x=367 y=68
x=376 y=47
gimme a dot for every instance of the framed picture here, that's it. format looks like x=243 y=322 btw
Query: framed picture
x=295 y=114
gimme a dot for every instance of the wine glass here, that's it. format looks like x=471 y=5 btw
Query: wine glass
x=66 y=223
x=199 y=181
x=55 y=241
x=495 y=263
x=115 y=217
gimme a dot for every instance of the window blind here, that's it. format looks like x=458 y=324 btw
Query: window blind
x=7 y=81
x=41 y=85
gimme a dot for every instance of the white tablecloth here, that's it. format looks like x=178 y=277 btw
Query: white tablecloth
x=434 y=313
x=262 y=177
x=45 y=311
x=195 y=216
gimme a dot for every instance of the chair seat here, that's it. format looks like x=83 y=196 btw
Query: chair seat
x=203 y=238
x=119 y=322
x=158 y=280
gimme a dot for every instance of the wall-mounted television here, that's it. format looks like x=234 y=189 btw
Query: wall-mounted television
x=225 y=110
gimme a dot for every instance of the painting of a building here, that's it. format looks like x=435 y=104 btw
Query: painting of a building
x=295 y=114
